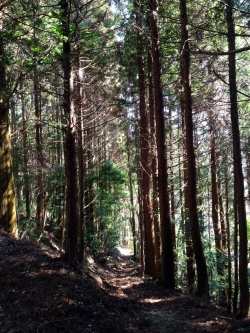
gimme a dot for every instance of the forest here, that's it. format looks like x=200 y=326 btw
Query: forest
x=126 y=123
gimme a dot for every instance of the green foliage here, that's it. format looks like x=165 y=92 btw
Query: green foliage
x=111 y=198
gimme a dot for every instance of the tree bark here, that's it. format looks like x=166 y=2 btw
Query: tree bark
x=144 y=159
x=131 y=192
x=248 y=167
x=222 y=217
x=25 y=152
x=72 y=219
x=80 y=153
x=8 y=217
x=236 y=253
x=89 y=197
x=238 y=174
x=215 y=205
x=40 y=213
x=203 y=288
x=154 y=165
x=216 y=202
x=188 y=236
x=172 y=196
x=229 y=265
x=167 y=277
x=141 y=224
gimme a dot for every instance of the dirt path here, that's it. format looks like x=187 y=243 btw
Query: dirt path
x=41 y=293
x=161 y=310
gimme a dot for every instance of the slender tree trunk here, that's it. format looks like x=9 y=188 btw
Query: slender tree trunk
x=144 y=159
x=236 y=262
x=63 y=218
x=203 y=288
x=89 y=198
x=40 y=209
x=141 y=224
x=133 y=216
x=59 y=162
x=72 y=219
x=229 y=265
x=222 y=217
x=8 y=218
x=248 y=167
x=80 y=152
x=215 y=206
x=154 y=166
x=132 y=213
x=59 y=145
x=25 y=152
x=14 y=104
x=166 y=230
x=216 y=202
x=188 y=235
x=39 y=156
x=238 y=174
x=224 y=235
x=172 y=197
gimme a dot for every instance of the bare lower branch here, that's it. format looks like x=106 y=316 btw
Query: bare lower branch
x=218 y=53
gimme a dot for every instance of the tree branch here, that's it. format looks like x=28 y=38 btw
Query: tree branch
x=238 y=91
x=243 y=49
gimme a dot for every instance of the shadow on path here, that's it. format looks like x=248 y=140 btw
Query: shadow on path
x=41 y=293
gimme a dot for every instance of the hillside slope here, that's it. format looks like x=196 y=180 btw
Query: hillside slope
x=40 y=292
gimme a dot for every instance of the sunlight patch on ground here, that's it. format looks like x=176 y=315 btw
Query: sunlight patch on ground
x=124 y=251
x=152 y=300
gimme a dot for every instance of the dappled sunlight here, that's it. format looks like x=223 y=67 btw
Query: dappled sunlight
x=152 y=300
x=125 y=251
x=41 y=291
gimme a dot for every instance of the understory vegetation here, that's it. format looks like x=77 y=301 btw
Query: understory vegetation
x=126 y=123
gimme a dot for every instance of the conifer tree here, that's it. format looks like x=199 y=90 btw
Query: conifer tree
x=8 y=218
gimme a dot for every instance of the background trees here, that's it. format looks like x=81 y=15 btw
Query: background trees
x=132 y=115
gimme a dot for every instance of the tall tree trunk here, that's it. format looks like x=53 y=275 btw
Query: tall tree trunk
x=154 y=165
x=132 y=218
x=229 y=265
x=8 y=218
x=188 y=235
x=248 y=167
x=215 y=205
x=144 y=159
x=238 y=174
x=89 y=197
x=203 y=288
x=166 y=231
x=172 y=197
x=236 y=253
x=132 y=213
x=216 y=202
x=141 y=224
x=222 y=217
x=72 y=220
x=39 y=156
x=80 y=153
x=25 y=152
x=63 y=218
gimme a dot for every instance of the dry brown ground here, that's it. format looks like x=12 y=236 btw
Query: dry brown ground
x=41 y=293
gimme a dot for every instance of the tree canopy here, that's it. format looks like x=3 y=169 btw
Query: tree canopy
x=127 y=122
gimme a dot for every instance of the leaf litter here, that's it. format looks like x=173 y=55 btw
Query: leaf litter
x=41 y=292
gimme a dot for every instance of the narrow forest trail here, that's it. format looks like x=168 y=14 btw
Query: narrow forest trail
x=160 y=310
x=41 y=293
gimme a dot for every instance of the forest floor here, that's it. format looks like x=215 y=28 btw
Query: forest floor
x=40 y=292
